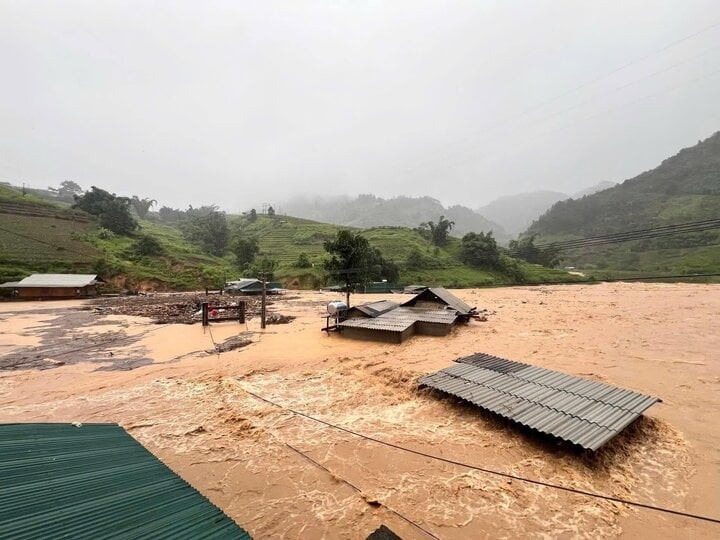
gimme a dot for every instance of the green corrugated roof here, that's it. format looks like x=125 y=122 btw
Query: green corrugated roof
x=96 y=481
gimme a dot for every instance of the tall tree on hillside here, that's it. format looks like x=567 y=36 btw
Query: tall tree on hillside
x=113 y=211
x=142 y=206
x=525 y=248
x=350 y=261
x=207 y=228
x=245 y=249
x=437 y=233
x=480 y=249
x=67 y=190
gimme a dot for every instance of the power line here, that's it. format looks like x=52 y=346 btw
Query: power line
x=501 y=123
x=483 y=469
x=626 y=236
x=358 y=490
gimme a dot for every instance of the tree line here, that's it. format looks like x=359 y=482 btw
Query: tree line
x=351 y=259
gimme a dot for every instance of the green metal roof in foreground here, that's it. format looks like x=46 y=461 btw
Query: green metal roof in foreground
x=96 y=481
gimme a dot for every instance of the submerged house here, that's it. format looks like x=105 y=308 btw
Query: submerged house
x=441 y=298
x=58 y=286
x=250 y=286
x=432 y=315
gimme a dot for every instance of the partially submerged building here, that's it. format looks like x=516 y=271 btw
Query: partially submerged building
x=56 y=286
x=426 y=314
x=440 y=298
x=251 y=286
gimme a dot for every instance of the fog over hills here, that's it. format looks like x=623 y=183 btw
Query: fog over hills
x=515 y=213
x=683 y=188
x=371 y=211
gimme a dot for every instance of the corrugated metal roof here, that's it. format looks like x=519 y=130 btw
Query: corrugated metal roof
x=584 y=412
x=379 y=323
x=445 y=297
x=375 y=309
x=96 y=481
x=58 y=280
x=400 y=319
x=422 y=315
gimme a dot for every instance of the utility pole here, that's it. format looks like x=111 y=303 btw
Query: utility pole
x=262 y=303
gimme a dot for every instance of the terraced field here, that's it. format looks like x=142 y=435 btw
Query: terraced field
x=44 y=240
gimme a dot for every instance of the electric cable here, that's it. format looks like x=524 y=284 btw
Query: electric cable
x=484 y=469
x=358 y=490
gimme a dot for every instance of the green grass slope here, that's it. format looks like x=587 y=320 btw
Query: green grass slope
x=39 y=236
x=684 y=188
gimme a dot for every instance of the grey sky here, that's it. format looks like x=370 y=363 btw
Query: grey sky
x=236 y=103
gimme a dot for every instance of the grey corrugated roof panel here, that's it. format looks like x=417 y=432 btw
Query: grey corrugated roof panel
x=445 y=296
x=377 y=324
x=375 y=309
x=472 y=373
x=495 y=363
x=92 y=481
x=451 y=300
x=58 y=280
x=420 y=315
x=545 y=404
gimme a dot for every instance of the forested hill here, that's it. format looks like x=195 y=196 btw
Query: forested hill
x=370 y=211
x=684 y=188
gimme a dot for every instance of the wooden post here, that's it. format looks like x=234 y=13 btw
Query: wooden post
x=241 y=312
x=262 y=303
x=205 y=320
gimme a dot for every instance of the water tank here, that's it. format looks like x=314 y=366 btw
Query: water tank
x=336 y=307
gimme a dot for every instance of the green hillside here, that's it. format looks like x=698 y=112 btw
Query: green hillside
x=683 y=189
x=284 y=238
x=41 y=236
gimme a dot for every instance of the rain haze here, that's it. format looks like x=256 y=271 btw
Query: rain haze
x=236 y=103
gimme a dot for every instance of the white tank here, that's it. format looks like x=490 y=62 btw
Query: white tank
x=335 y=307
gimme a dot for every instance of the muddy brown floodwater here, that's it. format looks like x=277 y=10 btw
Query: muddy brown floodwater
x=281 y=475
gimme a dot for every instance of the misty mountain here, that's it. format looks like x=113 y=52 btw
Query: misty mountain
x=683 y=188
x=600 y=186
x=367 y=211
x=515 y=213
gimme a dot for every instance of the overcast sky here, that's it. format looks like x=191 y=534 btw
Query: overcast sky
x=237 y=103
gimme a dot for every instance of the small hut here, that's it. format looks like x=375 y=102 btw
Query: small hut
x=57 y=286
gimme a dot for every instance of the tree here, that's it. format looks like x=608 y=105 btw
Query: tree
x=264 y=268
x=525 y=249
x=350 y=261
x=437 y=233
x=303 y=261
x=480 y=249
x=67 y=190
x=270 y=211
x=116 y=217
x=142 y=206
x=253 y=215
x=245 y=248
x=415 y=260
x=113 y=211
x=148 y=246
x=381 y=268
x=207 y=228
x=170 y=215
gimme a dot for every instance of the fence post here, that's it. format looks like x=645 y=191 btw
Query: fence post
x=205 y=320
x=241 y=312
